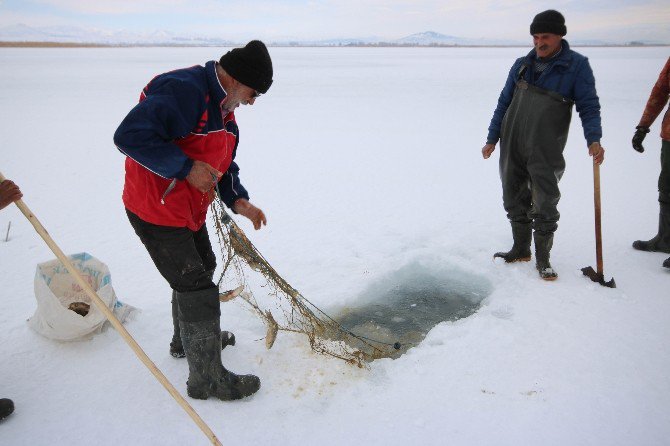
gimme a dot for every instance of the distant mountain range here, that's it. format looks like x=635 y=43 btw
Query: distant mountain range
x=76 y=35
x=71 y=34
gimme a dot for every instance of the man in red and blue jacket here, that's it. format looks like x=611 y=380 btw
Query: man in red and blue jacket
x=180 y=141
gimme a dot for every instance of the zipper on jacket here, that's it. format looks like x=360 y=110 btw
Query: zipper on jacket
x=168 y=190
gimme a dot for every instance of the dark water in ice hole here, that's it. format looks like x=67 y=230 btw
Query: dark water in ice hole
x=406 y=304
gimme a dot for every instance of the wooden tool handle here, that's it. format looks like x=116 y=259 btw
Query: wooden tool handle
x=100 y=304
x=596 y=202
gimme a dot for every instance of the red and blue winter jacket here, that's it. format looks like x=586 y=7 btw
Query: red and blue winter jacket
x=178 y=120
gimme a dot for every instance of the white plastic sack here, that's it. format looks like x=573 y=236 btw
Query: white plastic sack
x=56 y=290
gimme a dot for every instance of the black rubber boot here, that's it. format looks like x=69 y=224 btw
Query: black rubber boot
x=666 y=262
x=6 y=408
x=176 y=347
x=660 y=242
x=520 y=252
x=543 y=244
x=201 y=337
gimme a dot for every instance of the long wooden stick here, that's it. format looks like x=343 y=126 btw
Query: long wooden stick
x=114 y=321
x=596 y=202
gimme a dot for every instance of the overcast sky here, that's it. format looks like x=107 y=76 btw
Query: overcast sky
x=619 y=20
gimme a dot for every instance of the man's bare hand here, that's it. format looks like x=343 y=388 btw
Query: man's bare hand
x=257 y=217
x=487 y=150
x=203 y=176
x=9 y=193
x=597 y=152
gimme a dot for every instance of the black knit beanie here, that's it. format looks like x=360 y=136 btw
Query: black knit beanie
x=549 y=21
x=250 y=65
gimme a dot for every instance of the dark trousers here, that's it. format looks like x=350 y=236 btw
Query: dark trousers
x=183 y=257
x=664 y=177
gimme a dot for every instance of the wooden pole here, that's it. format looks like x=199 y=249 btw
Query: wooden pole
x=114 y=321
x=596 y=201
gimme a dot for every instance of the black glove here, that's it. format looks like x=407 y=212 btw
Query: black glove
x=638 y=137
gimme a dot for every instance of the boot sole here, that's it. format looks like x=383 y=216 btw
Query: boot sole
x=547 y=276
x=234 y=395
x=639 y=247
x=665 y=251
x=519 y=259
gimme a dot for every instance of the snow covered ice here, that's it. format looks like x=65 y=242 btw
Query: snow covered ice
x=365 y=160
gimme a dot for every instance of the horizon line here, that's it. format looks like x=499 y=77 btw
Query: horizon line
x=52 y=44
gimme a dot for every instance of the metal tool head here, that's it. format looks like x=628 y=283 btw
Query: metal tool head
x=598 y=277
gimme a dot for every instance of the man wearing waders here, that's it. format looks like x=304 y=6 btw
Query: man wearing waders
x=180 y=142
x=531 y=122
x=657 y=100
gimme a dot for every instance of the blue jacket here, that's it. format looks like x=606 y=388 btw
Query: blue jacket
x=178 y=119
x=570 y=75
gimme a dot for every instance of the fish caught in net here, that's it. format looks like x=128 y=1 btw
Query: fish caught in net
x=278 y=304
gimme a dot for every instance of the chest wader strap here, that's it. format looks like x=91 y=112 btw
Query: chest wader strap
x=522 y=72
x=525 y=85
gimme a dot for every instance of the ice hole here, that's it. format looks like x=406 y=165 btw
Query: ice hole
x=403 y=306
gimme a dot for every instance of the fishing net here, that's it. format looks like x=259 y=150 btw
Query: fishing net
x=278 y=304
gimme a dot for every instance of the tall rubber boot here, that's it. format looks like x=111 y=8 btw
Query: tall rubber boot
x=6 y=408
x=201 y=337
x=661 y=241
x=520 y=252
x=176 y=347
x=543 y=244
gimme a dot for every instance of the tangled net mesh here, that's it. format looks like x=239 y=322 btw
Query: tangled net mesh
x=278 y=304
